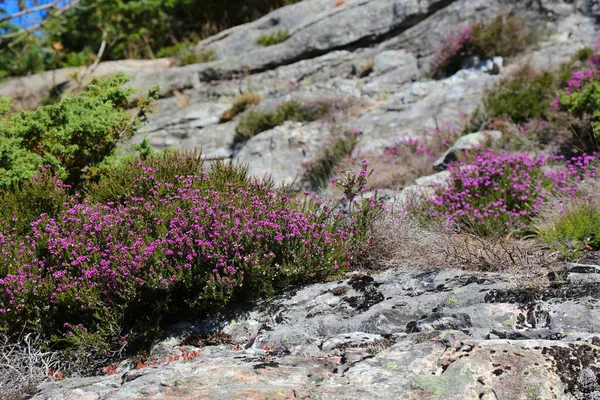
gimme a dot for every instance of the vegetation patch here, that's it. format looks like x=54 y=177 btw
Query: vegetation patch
x=575 y=230
x=191 y=57
x=318 y=171
x=501 y=193
x=505 y=37
x=162 y=239
x=71 y=137
x=240 y=104
x=257 y=121
x=273 y=38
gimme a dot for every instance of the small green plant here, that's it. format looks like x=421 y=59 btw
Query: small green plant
x=173 y=50
x=575 y=230
x=273 y=38
x=204 y=56
x=319 y=170
x=240 y=104
x=257 y=121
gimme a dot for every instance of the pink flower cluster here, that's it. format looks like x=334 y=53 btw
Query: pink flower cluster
x=454 y=46
x=431 y=145
x=191 y=242
x=506 y=190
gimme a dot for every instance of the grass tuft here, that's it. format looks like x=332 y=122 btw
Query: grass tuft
x=240 y=104
x=273 y=38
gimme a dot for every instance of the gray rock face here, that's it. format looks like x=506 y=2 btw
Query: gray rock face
x=400 y=334
x=329 y=51
x=281 y=152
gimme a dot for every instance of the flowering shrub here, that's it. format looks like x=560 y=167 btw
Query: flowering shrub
x=106 y=275
x=502 y=192
x=505 y=36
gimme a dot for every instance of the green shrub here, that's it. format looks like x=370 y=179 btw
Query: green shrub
x=505 y=36
x=204 y=56
x=122 y=180
x=255 y=122
x=22 y=204
x=576 y=230
x=71 y=136
x=584 y=101
x=583 y=54
x=527 y=95
x=273 y=38
x=173 y=50
x=318 y=171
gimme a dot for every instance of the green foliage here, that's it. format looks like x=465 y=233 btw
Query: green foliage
x=22 y=204
x=526 y=95
x=273 y=38
x=71 y=136
x=583 y=54
x=255 y=122
x=173 y=50
x=505 y=36
x=121 y=180
x=190 y=57
x=130 y=28
x=585 y=103
x=319 y=170
x=576 y=230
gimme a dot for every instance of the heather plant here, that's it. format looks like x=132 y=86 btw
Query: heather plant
x=410 y=158
x=71 y=136
x=273 y=38
x=501 y=193
x=108 y=272
x=22 y=204
x=505 y=36
x=582 y=98
x=257 y=121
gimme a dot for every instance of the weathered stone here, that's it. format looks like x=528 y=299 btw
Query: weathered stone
x=472 y=141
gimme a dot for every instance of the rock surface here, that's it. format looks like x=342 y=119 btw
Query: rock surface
x=374 y=52
x=401 y=334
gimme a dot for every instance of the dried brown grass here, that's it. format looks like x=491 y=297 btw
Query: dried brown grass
x=402 y=240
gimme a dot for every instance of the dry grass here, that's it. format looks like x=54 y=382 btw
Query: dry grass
x=401 y=240
x=240 y=104
x=397 y=172
x=23 y=366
